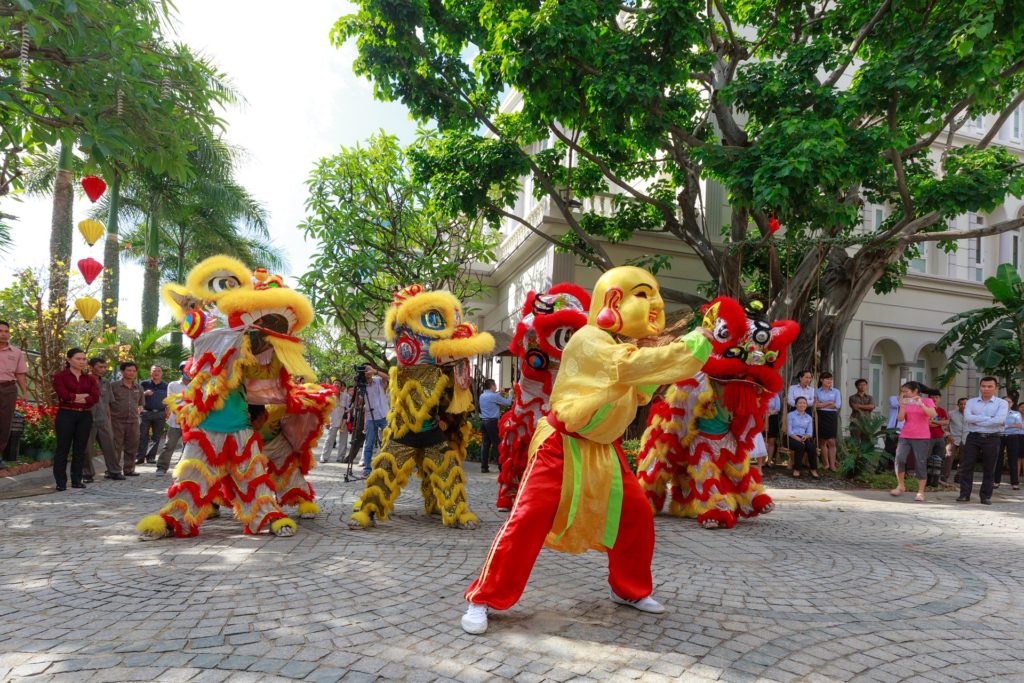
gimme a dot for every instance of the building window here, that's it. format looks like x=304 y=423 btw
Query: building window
x=978 y=122
x=1015 y=250
x=975 y=259
x=1015 y=126
x=874 y=216
x=920 y=263
x=875 y=382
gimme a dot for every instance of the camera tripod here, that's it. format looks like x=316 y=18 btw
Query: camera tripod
x=360 y=404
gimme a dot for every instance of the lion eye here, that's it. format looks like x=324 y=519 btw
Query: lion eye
x=223 y=283
x=560 y=337
x=433 y=320
x=721 y=331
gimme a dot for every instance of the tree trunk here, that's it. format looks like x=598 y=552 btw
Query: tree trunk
x=151 y=280
x=112 y=258
x=61 y=228
x=179 y=277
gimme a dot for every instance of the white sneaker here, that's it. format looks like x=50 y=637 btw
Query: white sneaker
x=648 y=604
x=323 y=459
x=475 y=619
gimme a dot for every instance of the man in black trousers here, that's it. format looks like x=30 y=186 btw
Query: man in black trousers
x=154 y=416
x=984 y=417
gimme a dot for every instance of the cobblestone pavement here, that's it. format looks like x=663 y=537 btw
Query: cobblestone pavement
x=833 y=586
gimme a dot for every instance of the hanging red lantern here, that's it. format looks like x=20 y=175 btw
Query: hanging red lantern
x=90 y=268
x=773 y=225
x=94 y=187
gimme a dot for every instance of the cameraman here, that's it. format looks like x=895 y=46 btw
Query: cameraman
x=376 y=411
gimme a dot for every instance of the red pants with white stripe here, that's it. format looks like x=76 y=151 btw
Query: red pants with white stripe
x=517 y=545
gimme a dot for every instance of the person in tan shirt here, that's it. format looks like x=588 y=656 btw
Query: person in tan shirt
x=125 y=405
x=13 y=370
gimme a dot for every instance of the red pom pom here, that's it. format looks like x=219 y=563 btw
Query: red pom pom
x=773 y=225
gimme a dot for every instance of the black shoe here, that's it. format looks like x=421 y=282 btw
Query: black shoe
x=161 y=470
x=986 y=501
x=115 y=477
x=87 y=480
x=484 y=470
x=62 y=487
x=139 y=461
x=77 y=485
x=131 y=474
x=150 y=462
x=963 y=499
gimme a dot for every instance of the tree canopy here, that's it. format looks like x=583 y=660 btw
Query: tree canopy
x=379 y=230
x=800 y=110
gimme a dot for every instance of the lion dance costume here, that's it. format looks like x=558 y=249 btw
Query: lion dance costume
x=578 y=492
x=699 y=440
x=430 y=395
x=548 y=321
x=245 y=351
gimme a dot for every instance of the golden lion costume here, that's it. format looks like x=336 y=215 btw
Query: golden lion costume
x=430 y=403
x=245 y=352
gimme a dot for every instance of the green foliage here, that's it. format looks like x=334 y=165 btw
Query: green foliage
x=102 y=73
x=378 y=229
x=859 y=454
x=992 y=337
x=330 y=354
x=808 y=112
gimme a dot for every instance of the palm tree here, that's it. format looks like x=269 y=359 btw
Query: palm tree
x=208 y=213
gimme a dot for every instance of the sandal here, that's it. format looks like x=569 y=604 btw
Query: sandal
x=919 y=498
x=796 y=474
x=815 y=475
x=897 y=491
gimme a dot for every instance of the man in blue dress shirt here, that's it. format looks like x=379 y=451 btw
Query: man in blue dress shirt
x=491 y=403
x=984 y=417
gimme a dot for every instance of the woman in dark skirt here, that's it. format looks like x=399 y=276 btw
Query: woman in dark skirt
x=78 y=391
x=827 y=402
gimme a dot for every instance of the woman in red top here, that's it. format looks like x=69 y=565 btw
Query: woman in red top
x=77 y=391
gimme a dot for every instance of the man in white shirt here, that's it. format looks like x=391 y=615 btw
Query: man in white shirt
x=376 y=410
x=984 y=417
x=337 y=436
x=163 y=463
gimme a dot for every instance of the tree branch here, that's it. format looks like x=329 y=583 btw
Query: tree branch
x=996 y=229
x=576 y=250
x=1003 y=117
x=834 y=77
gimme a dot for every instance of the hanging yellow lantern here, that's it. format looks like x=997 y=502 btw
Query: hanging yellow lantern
x=91 y=230
x=87 y=307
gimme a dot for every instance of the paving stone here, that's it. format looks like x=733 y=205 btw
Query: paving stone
x=884 y=590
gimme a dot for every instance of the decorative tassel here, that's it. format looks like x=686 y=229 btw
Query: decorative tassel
x=23 y=58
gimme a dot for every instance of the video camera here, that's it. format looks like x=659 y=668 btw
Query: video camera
x=360 y=370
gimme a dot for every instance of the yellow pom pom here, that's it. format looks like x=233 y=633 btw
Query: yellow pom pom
x=278 y=525
x=308 y=509
x=361 y=518
x=152 y=526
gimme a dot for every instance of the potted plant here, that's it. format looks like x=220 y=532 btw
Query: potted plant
x=39 y=440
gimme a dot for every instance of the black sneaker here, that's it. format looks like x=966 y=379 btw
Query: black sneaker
x=62 y=487
x=131 y=474
x=77 y=485
x=963 y=499
x=87 y=480
x=986 y=501
x=115 y=477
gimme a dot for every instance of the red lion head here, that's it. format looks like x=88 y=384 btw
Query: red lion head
x=747 y=352
x=549 y=320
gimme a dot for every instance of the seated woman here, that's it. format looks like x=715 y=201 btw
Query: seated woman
x=800 y=437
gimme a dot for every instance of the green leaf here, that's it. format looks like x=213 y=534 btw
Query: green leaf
x=1005 y=284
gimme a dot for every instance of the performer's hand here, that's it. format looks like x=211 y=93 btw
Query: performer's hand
x=707 y=333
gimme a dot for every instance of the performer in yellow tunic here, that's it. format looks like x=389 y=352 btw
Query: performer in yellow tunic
x=578 y=492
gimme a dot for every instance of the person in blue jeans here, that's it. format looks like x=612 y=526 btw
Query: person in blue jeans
x=376 y=411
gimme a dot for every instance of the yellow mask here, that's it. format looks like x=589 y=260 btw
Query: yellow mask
x=627 y=301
